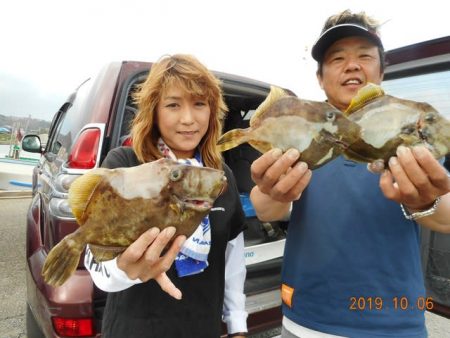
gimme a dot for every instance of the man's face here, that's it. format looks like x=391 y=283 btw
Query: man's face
x=348 y=65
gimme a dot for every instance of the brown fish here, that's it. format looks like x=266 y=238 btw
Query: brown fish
x=435 y=131
x=318 y=130
x=387 y=122
x=115 y=206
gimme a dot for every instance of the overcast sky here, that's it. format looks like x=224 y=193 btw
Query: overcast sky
x=48 y=47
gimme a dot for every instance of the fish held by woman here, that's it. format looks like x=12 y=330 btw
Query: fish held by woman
x=115 y=206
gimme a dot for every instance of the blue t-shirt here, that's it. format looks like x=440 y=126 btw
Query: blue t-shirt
x=352 y=261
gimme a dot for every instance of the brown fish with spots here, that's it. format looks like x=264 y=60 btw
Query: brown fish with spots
x=115 y=206
x=387 y=122
x=319 y=131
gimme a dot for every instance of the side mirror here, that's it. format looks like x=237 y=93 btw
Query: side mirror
x=31 y=143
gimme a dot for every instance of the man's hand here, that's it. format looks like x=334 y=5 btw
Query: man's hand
x=143 y=260
x=276 y=175
x=415 y=178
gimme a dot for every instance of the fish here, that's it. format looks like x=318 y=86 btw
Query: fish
x=387 y=122
x=319 y=131
x=113 y=207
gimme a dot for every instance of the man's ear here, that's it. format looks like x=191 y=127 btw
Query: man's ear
x=319 y=79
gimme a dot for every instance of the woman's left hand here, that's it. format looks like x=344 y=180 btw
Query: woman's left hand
x=145 y=259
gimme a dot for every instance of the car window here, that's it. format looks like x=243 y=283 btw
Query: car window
x=433 y=88
x=130 y=109
x=70 y=123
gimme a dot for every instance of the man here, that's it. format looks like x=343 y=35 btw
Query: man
x=352 y=255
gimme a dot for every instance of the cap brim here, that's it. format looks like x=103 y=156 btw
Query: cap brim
x=338 y=32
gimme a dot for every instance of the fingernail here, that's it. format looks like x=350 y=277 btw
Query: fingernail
x=153 y=231
x=419 y=151
x=402 y=150
x=302 y=166
x=170 y=231
x=393 y=161
x=293 y=154
x=276 y=153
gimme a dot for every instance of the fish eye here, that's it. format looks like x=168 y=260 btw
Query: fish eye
x=175 y=174
x=430 y=118
x=330 y=116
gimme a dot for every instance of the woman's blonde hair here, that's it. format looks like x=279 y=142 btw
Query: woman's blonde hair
x=186 y=72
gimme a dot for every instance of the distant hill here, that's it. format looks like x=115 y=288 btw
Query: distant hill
x=30 y=125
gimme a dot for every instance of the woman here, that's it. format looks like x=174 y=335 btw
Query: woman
x=180 y=116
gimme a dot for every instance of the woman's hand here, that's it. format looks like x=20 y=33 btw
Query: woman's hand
x=143 y=259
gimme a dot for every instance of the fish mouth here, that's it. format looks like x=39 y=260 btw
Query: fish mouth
x=200 y=205
x=342 y=144
x=337 y=141
x=197 y=204
x=427 y=140
x=423 y=134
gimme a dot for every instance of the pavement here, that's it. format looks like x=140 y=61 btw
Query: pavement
x=13 y=207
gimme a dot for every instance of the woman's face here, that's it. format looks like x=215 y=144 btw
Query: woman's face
x=182 y=120
x=348 y=65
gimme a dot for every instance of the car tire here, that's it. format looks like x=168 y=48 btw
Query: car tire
x=33 y=329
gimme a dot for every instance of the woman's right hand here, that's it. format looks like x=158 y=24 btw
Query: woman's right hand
x=143 y=259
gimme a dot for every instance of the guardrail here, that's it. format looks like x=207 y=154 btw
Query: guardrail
x=7 y=194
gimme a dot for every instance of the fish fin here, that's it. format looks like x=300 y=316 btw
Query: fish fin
x=62 y=260
x=274 y=95
x=81 y=190
x=105 y=253
x=261 y=146
x=232 y=139
x=366 y=94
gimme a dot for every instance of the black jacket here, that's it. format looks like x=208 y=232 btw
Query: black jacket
x=144 y=310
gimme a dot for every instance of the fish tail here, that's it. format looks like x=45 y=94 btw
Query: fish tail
x=62 y=260
x=232 y=139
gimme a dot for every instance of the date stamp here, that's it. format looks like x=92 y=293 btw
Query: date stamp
x=401 y=303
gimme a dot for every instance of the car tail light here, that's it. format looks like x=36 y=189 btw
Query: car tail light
x=128 y=142
x=73 y=327
x=84 y=151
